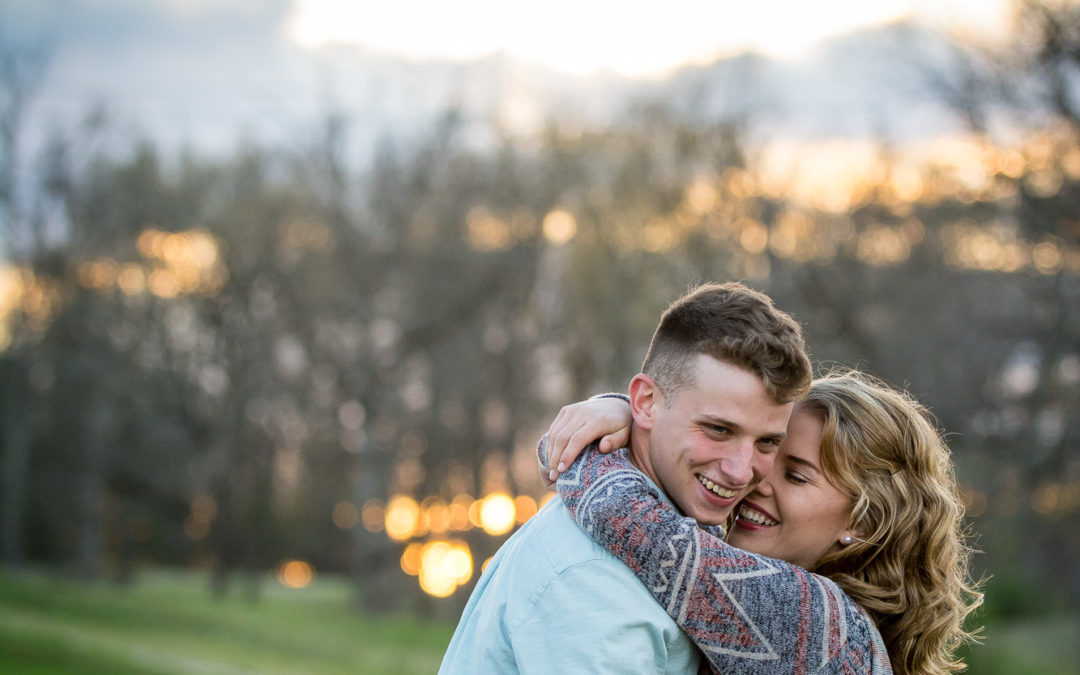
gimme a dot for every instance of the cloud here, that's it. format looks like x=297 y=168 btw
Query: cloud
x=130 y=24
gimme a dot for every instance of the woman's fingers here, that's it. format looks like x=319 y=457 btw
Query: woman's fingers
x=545 y=476
x=579 y=424
x=582 y=435
x=614 y=441
x=561 y=434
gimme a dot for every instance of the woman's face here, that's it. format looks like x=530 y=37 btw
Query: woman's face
x=795 y=513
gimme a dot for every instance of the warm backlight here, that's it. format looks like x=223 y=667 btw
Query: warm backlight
x=295 y=574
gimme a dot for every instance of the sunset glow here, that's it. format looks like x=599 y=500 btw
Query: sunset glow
x=442 y=565
x=581 y=38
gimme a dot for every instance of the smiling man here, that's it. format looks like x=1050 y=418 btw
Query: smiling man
x=706 y=443
x=710 y=408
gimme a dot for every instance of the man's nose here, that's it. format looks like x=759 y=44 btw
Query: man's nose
x=737 y=466
x=765 y=487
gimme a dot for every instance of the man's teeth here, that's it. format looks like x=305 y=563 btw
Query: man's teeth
x=716 y=489
x=746 y=513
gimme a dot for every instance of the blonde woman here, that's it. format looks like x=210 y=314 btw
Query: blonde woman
x=861 y=494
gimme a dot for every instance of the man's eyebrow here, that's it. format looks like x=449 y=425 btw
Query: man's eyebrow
x=706 y=418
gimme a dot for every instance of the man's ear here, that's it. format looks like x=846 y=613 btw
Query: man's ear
x=645 y=396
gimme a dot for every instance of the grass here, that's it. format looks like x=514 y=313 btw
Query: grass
x=169 y=623
x=1044 y=645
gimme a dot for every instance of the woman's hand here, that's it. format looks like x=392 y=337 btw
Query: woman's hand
x=547 y=477
x=579 y=424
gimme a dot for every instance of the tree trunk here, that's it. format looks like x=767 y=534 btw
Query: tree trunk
x=91 y=497
x=16 y=465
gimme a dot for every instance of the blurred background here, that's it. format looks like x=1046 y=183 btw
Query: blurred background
x=290 y=289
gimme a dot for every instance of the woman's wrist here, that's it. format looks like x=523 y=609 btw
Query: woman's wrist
x=613 y=394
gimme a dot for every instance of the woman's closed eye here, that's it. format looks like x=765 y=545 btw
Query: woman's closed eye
x=797 y=478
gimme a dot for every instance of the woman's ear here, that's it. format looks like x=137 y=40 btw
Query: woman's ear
x=849 y=537
x=644 y=397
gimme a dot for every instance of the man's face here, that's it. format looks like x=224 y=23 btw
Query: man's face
x=710 y=445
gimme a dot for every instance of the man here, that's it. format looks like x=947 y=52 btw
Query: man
x=710 y=408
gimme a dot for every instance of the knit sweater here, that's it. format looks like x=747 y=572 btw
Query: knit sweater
x=746 y=612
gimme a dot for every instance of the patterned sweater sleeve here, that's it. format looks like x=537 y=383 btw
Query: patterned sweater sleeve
x=747 y=613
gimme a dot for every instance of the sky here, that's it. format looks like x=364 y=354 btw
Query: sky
x=575 y=36
x=581 y=36
x=211 y=75
x=206 y=72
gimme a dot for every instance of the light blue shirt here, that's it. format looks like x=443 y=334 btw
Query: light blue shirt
x=553 y=601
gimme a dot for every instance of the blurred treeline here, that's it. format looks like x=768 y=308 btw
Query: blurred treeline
x=201 y=358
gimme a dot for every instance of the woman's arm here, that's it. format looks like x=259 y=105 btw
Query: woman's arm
x=605 y=419
x=747 y=613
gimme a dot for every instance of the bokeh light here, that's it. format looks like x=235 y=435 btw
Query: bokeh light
x=475 y=507
x=410 y=559
x=524 y=508
x=175 y=263
x=459 y=512
x=402 y=517
x=497 y=513
x=373 y=515
x=486 y=232
x=444 y=565
x=199 y=521
x=345 y=515
x=131 y=279
x=559 y=226
x=196 y=529
x=438 y=515
x=295 y=574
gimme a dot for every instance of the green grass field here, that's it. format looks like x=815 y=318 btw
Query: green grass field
x=169 y=623
x=1045 y=645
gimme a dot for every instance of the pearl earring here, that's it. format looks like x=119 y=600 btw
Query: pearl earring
x=847 y=539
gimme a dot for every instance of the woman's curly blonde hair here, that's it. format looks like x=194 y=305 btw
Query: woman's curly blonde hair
x=908 y=567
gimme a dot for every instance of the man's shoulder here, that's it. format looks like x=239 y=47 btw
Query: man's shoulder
x=551 y=569
x=551 y=564
x=554 y=532
x=551 y=549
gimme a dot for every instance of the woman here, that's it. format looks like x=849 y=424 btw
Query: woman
x=862 y=492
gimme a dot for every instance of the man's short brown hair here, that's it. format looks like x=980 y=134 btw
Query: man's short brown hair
x=733 y=323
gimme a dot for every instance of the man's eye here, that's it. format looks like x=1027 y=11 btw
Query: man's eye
x=717 y=428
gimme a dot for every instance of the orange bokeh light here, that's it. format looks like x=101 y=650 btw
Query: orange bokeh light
x=444 y=565
x=295 y=574
x=402 y=517
x=524 y=508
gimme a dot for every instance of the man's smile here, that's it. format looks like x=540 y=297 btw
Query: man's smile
x=717 y=490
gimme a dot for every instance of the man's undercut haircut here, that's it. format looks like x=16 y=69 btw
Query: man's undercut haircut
x=735 y=324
